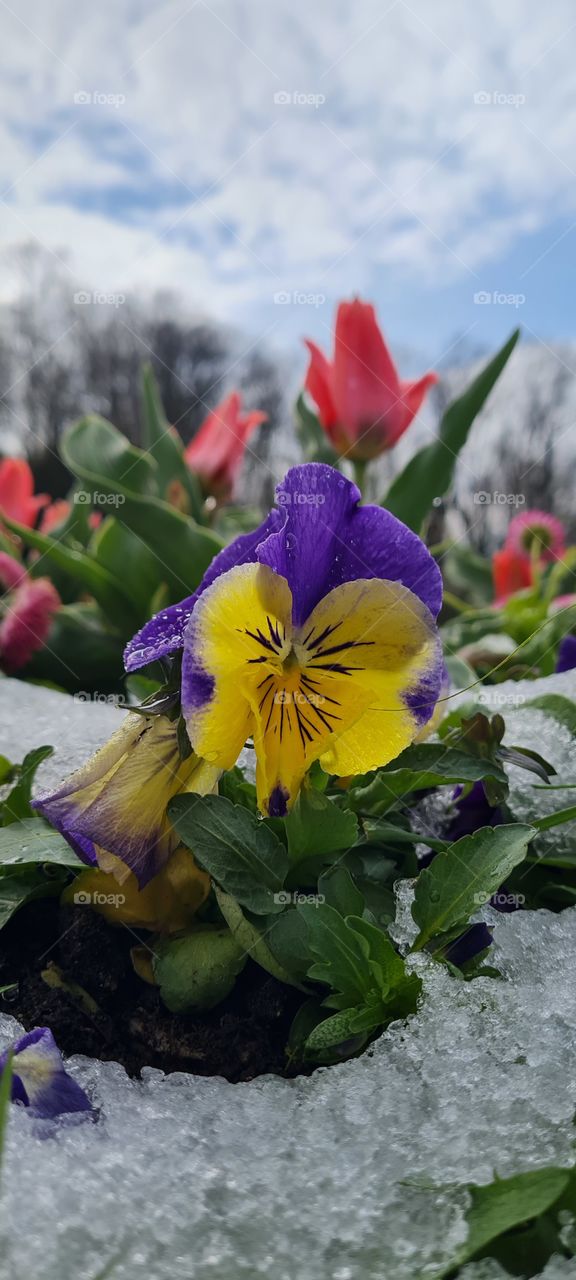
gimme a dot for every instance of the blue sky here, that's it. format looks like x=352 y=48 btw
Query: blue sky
x=265 y=159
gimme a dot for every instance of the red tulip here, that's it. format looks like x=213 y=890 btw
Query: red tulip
x=26 y=612
x=17 y=498
x=217 y=450
x=362 y=404
x=511 y=572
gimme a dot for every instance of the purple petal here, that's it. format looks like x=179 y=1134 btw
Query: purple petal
x=163 y=635
x=40 y=1081
x=328 y=539
x=566 y=660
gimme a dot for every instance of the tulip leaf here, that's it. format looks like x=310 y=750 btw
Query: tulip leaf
x=429 y=473
x=119 y=550
x=465 y=876
x=199 y=969
x=239 y=851
x=84 y=653
x=164 y=446
x=100 y=456
x=106 y=588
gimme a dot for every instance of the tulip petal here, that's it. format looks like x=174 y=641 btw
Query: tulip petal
x=411 y=396
x=365 y=381
x=318 y=386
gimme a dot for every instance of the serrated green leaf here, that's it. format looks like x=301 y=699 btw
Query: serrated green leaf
x=33 y=841
x=340 y=891
x=239 y=851
x=17 y=806
x=456 y=883
x=429 y=473
x=317 y=826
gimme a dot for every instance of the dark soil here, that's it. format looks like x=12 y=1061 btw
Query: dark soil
x=243 y=1037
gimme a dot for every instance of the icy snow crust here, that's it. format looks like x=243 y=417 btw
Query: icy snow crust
x=347 y=1175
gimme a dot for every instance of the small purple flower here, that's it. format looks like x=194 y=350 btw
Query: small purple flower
x=566 y=660
x=40 y=1081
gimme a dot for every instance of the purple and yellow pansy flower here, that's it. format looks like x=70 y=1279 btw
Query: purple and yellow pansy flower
x=116 y=804
x=39 y=1079
x=315 y=636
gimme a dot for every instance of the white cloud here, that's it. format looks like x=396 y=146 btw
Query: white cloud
x=205 y=183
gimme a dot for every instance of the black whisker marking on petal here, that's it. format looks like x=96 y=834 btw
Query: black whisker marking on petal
x=334 y=666
x=304 y=734
x=322 y=714
x=274 y=632
x=339 y=648
x=261 y=639
x=308 y=683
x=264 y=697
x=328 y=631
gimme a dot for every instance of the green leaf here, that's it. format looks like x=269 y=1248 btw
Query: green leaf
x=317 y=826
x=101 y=456
x=24 y=885
x=164 y=446
x=17 y=804
x=429 y=473
x=465 y=875
x=555 y=819
x=129 y=559
x=342 y=1026
x=418 y=768
x=251 y=939
x=84 y=653
x=197 y=970
x=355 y=959
x=85 y=570
x=32 y=841
x=340 y=891
x=239 y=851
x=505 y=1204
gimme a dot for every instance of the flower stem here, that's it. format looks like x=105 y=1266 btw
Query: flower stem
x=359 y=467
